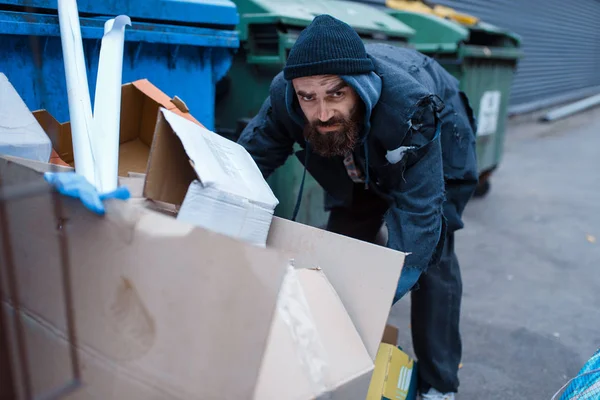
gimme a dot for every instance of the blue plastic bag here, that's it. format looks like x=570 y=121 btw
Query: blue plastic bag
x=586 y=385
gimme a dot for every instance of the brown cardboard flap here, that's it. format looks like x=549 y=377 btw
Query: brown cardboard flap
x=132 y=107
x=162 y=309
x=169 y=172
x=59 y=134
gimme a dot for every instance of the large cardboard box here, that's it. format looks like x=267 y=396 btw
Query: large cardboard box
x=140 y=102
x=164 y=309
x=167 y=310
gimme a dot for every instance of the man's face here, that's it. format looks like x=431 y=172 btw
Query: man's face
x=333 y=112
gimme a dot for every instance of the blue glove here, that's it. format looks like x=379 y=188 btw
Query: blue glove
x=408 y=279
x=75 y=185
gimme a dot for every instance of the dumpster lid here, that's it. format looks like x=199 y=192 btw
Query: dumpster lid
x=431 y=31
x=492 y=29
x=206 y=12
x=437 y=34
x=300 y=13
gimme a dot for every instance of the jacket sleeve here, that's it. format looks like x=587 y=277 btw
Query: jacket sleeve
x=267 y=139
x=415 y=219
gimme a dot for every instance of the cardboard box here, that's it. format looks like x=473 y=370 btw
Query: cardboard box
x=167 y=310
x=229 y=195
x=366 y=293
x=220 y=200
x=162 y=309
x=140 y=102
x=395 y=376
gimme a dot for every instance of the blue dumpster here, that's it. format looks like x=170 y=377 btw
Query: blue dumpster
x=182 y=47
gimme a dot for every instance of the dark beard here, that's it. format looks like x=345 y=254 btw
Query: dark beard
x=339 y=142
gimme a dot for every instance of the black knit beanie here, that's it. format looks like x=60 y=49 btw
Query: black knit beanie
x=327 y=46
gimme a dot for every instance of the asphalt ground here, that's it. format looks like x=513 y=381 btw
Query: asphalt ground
x=530 y=262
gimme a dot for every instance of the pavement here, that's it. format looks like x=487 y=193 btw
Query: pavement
x=530 y=262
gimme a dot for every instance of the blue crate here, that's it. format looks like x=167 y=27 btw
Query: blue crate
x=184 y=53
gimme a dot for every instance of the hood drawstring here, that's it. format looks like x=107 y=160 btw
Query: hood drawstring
x=301 y=190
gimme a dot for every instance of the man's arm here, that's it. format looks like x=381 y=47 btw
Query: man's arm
x=415 y=221
x=267 y=140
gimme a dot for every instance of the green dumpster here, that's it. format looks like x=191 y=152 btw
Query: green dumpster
x=483 y=58
x=268 y=29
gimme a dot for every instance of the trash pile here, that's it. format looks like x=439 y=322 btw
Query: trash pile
x=188 y=287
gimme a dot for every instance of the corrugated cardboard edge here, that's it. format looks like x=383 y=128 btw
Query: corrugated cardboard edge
x=37 y=166
x=147 y=88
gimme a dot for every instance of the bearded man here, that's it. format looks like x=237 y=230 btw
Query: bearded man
x=391 y=139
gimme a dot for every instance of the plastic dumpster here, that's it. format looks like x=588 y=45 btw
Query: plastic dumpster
x=482 y=57
x=183 y=47
x=268 y=29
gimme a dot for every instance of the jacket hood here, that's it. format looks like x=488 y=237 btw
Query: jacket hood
x=367 y=86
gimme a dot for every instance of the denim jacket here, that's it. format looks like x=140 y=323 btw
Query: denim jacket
x=418 y=150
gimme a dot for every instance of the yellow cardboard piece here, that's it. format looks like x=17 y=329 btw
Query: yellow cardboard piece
x=393 y=374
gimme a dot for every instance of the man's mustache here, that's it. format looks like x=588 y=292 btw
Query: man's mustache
x=329 y=123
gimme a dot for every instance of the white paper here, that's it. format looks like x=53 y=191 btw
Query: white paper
x=80 y=108
x=107 y=103
x=221 y=162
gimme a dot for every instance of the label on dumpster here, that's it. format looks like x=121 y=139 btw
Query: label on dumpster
x=489 y=112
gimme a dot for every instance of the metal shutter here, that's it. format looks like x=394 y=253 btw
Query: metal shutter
x=561 y=41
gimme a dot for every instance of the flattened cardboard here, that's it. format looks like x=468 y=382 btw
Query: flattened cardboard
x=162 y=309
x=298 y=365
x=365 y=276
